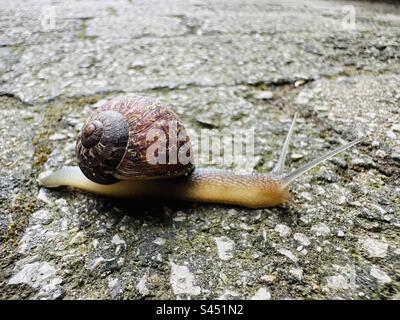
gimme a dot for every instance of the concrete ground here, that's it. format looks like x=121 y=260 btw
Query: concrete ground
x=221 y=65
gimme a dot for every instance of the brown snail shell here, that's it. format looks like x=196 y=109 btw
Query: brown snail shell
x=113 y=143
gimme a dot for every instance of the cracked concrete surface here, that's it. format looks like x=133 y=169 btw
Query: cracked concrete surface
x=221 y=65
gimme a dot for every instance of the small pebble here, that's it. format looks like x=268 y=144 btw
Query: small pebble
x=302 y=238
x=288 y=254
x=282 y=230
x=269 y=278
x=57 y=136
x=264 y=95
x=225 y=247
x=297 y=273
x=179 y=216
x=321 y=229
x=261 y=294
x=395 y=156
x=302 y=98
x=380 y=154
x=375 y=143
x=357 y=162
x=374 y=248
x=306 y=196
x=396 y=127
x=159 y=241
x=338 y=282
x=380 y=275
x=391 y=134
x=43 y=196
x=299 y=83
x=340 y=234
x=296 y=156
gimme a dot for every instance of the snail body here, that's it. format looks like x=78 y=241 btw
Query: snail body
x=202 y=185
x=113 y=154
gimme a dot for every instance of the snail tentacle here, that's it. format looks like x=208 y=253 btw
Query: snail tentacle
x=290 y=177
x=280 y=165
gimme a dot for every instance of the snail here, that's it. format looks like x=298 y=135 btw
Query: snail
x=112 y=151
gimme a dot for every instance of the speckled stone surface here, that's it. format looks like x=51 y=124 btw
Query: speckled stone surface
x=221 y=65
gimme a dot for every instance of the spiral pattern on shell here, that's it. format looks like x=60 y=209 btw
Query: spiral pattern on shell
x=113 y=143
